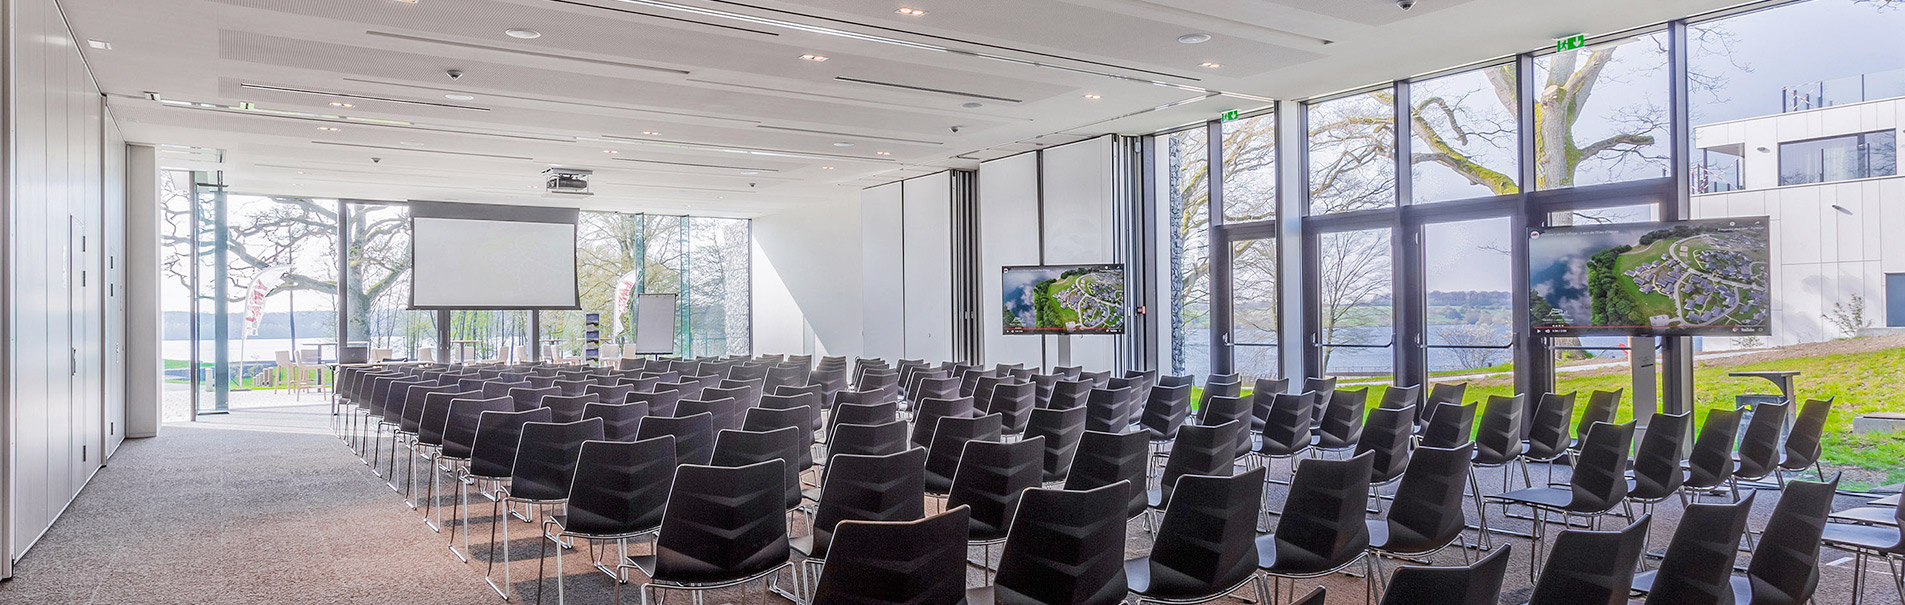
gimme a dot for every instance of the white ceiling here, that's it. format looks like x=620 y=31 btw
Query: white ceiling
x=706 y=106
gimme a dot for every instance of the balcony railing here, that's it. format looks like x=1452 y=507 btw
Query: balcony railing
x=1843 y=91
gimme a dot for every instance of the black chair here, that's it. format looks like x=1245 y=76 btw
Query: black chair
x=927 y=414
x=990 y=478
x=1784 y=569
x=799 y=418
x=1698 y=566
x=1427 y=516
x=888 y=487
x=694 y=435
x=1399 y=397
x=1591 y=567
x=1322 y=530
x=1109 y=458
x=1341 y=426
x=737 y=448
x=1759 y=446
x=1061 y=430
x=726 y=411
x=870 y=440
x=1098 y=380
x=1387 y=434
x=1868 y=541
x=1262 y=395
x=1710 y=462
x=1325 y=389
x=1068 y=394
x=1014 y=401
x=1451 y=425
x=660 y=403
x=1448 y=392
x=1476 y=584
x=1066 y=548
x=722 y=527
x=1547 y=434
x=1140 y=386
x=949 y=443
x=872 y=413
x=1599 y=483
x=1108 y=410
x=1220 y=409
x=567 y=408
x=1165 y=411
x=1213 y=387
x=686 y=389
x=498 y=388
x=529 y=399
x=493 y=459
x=1199 y=450
x=542 y=475
x=1656 y=466
x=1802 y=448
x=574 y=387
x=620 y=422
x=745 y=397
x=1206 y=547
x=619 y=491
x=896 y=561
x=409 y=425
x=802 y=401
x=935 y=388
x=1601 y=407
x=1285 y=431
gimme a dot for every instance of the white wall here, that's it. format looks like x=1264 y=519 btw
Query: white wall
x=883 y=310
x=812 y=256
x=53 y=418
x=1008 y=235
x=1080 y=228
x=926 y=229
x=144 y=362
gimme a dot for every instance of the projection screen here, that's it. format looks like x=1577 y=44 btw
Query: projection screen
x=480 y=256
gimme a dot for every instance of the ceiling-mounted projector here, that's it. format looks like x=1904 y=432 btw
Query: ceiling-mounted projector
x=567 y=181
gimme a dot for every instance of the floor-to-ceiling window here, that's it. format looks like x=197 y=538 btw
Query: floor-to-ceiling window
x=620 y=256
x=1184 y=161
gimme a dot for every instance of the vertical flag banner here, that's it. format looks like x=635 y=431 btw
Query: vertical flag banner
x=255 y=296
x=623 y=287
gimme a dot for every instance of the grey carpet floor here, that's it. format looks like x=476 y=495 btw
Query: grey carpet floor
x=266 y=506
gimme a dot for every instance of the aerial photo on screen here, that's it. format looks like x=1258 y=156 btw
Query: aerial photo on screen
x=1081 y=299
x=1692 y=277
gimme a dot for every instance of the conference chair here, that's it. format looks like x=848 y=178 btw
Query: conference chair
x=1285 y=431
x=738 y=448
x=1451 y=425
x=1014 y=401
x=1698 y=566
x=1656 y=474
x=1803 y=443
x=918 y=561
x=1068 y=372
x=990 y=478
x=573 y=387
x=1387 y=434
x=1043 y=386
x=610 y=393
x=694 y=435
x=1098 y=380
x=493 y=460
x=1710 y=462
x=1324 y=531
x=1601 y=407
x=1060 y=430
x=928 y=412
x=1068 y=394
x=687 y=388
x=1262 y=394
x=1759 y=454
x=540 y=382
x=1206 y=547
x=660 y=403
x=1866 y=541
x=532 y=398
x=934 y=387
x=722 y=527
x=565 y=408
x=621 y=422
x=1105 y=459
x=1479 y=583
x=1066 y=547
x=500 y=388
x=1341 y=425
x=1398 y=397
x=726 y=412
x=1547 y=437
x=1591 y=567
x=806 y=401
x=430 y=431
x=745 y=395
x=1199 y=450
x=949 y=443
x=543 y=471
x=869 y=440
x=1140 y=385
x=1164 y=412
x=409 y=424
x=1325 y=389
x=1598 y=484
x=461 y=418
x=969 y=381
x=1108 y=410
x=762 y=420
x=1439 y=394
x=1427 y=516
x=872 y=413
x=859 y=487
x=1227 y=408
x=1784 y=569
x=1213 y=387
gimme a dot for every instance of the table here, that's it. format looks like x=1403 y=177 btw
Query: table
x=1780 y=378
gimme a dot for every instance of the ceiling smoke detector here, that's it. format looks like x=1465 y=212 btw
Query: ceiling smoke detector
x=523 y=33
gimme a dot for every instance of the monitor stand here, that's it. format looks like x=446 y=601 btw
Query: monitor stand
x=1064 y=350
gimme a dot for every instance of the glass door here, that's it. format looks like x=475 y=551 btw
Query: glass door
x=1254 y=310
x=211 y=361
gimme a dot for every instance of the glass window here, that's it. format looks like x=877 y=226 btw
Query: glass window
x=1253 y=278
x=715 y=280
x=1356 y=314
x=378 y=283
x=1463 y=135
x=1895 y=300
x=489 y=336
x=1717 y=169
x=1601 y=114
x=1795 y=57
x=1250 y=169
x=1859 y=156
x=1469 y=301
x=1185 y=163
x=1352 y=153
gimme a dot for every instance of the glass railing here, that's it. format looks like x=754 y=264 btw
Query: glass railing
x=1843 y=91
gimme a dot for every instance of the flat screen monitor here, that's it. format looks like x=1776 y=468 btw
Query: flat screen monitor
x=1701 y=277
x=1064 y=299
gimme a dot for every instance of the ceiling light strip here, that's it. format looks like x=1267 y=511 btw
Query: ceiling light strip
x=694 y=165
x=849 y=135
x=664 y=17
x=561 y=102
x=415 y=150
x=347 y=95
x=293 y=115
x=531 y=53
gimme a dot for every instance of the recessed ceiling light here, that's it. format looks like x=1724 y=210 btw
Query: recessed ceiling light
x=826 y=168
x=99 y=45
x=750 y=172
x=610 y=151
x=1210 y=65
x=973 y=105
x=910 y=11
x=1198 y=38
x=523 y=33
x=407 y=1
x=328 y=128
x=651 y=133
x=341 y=104
x=843 y=144
x=1093 y=97
x=813 y=57
x=884 y=152
x=459 y=97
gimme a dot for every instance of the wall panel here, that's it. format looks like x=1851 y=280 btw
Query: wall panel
x=927 y=238
x=1008 y=235
x=883 y=294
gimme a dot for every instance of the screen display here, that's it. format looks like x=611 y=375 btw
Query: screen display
x=485 y=264
x=1069 y=299
x=1703 y=277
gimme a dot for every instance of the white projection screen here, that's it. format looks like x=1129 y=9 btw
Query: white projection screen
x=480 y=256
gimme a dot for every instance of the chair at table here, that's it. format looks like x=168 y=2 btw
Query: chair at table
x=722 y=527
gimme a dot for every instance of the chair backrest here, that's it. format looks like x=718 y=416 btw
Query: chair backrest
x=991 y=477
x=1428 y=512
x=1068 y=372
x=686 y=388
x=541 y=382
x=1013 y=400
x=881 y=439
x=921 y=561
x=860 y=487
x=949 y=442
x=1220 y=409
x=414 y=402
x=546 y=459
x=1599 y=481
x=1657 y=473
x=621 y=488
x=1207 y=541
x=575 y=386
x=1498 y=439
x=694 y=435
x=1591 y=567
x=1286 y=425
x=1446 y=392
x=870 y=413
x=436 y=413
x=1108 y=458
x=1061 y=429
x=493 y=453
x=726 y=411
x=926 y=418
x=1067 y=394
x=1216 y=388
x=1329 y=531
x=1067 y=546
x=637 y=382
x=567 y=408
x=1166 y=410
x=1601 y=406
x=1785 y=563
x=1386 y=434
x=736 y=448
x=946 y=387
x=1698 y=566
x=1108 y=409
x=391 y=407
x=660 y=403
x=1452 y=425
x=799 y=400
x=463 y=419
x=1325 y=389
x=500 y=388
x=1710 y=462
x=723 y=523
x=1262 y=394
x=1476 y=584
x=746 y=396
x=620 y=421
x=797 y=418
x=617 y=393
x=1342 y=423
x=1199 y=450
x=1547 y=431
x=1803 y=443
x=1396 y=397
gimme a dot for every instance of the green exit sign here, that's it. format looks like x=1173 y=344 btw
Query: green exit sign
x=1228 y=116
x=1570 y=43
